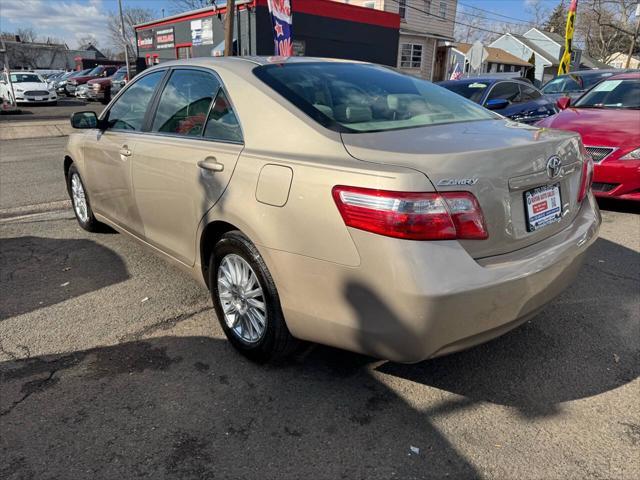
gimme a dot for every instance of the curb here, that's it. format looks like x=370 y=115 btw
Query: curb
x=34 y=129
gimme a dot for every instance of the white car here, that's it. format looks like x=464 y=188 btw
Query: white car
x=28 y=87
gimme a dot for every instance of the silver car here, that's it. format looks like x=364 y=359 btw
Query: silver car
x=337 y=202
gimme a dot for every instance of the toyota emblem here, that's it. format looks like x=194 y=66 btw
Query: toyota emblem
x=554 y=166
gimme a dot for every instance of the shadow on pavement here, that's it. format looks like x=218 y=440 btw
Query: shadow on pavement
x=192 y=408
x=563 y=354
x=36 y=272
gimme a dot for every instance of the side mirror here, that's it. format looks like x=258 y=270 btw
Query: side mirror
x=84 y=120
x=497 y=104
x=563 y=103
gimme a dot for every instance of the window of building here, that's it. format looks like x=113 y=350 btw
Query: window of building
x=443 y=9
x=369 y=4
x=410 y=55
x=427 y=6
x=183 y=52
x=402 y=9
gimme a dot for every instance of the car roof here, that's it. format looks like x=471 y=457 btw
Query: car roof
x=626 y=76
x=588 y=73
x=245 y=63
x=489 y=80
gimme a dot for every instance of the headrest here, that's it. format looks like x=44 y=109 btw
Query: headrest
x=352 y=113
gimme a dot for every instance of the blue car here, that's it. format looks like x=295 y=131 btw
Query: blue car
x=515 y=99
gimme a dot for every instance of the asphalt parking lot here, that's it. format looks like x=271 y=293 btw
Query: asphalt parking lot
x=112 y=364
x=63 y=110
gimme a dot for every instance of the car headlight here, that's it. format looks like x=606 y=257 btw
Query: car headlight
x=633 y=155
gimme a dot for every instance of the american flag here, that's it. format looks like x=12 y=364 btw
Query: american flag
x=457 y=73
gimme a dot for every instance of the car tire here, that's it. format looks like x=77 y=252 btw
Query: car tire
x=77 y=192
x=272 y=341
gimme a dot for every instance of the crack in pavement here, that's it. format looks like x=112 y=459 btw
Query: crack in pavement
x=31 y=388
x=164 y=324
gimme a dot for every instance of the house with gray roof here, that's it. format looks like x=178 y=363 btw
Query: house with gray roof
x=547 y=48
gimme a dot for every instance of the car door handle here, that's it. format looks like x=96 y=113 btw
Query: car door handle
x=125 y=152
x=211 y=164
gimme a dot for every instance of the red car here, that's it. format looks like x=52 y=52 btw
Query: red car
x=608 y=118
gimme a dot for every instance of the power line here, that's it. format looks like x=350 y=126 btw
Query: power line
x=494 y=14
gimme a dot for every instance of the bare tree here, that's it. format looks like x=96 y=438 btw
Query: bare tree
x=180 y=6
x=86 y=41
x=132 y=17
x=605 y=27
x=27 y=34
x=538 y=12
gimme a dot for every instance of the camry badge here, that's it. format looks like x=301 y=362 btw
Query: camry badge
x=452 y=182
x=554 y=166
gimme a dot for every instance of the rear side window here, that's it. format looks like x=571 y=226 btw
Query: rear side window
x=223 y=124
x=529 y=93
x=128 y=112
x=506 y=91
x=184 y=103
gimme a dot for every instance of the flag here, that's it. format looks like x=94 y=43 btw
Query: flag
x=457 y=73
x=565 y=61
x=282 y=21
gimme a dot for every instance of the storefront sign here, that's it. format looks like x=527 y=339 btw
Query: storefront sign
x=282 y=21
x=165 y=38
x=202 y=32
x=145 y=39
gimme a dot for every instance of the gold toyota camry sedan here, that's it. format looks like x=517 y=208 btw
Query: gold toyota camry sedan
x=337 y=202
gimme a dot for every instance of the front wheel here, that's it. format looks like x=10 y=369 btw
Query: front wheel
x=246 y=300
x=80 y=202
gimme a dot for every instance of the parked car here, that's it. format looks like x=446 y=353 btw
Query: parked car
x=336 y=202
x=61 y=83
x=103 y=88
x=574 y=84
x=608 y=119
x=515 y=99
x=98 y=72
x=81 y=91
x=28 y=87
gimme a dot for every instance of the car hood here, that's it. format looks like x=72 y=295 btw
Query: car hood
x=84 y=79
x=101 y=81
x=606 y=127
x=25 y=86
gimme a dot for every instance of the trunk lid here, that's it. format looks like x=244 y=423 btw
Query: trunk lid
x=496 y=160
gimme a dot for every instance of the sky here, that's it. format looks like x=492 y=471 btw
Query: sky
x=74 y=19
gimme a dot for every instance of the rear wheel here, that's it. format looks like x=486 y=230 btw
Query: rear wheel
x=80 y=202
x=246 y=300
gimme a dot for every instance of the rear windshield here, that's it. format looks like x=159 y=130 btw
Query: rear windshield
x=350 y=97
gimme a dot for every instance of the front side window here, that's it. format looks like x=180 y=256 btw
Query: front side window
x=96 y=71
x=348 y=97
x=128 y=112
x=410 y=55
x=222 y=124
x=529 y=93
x=505 y=91
x=612 y=94
x=185 y=102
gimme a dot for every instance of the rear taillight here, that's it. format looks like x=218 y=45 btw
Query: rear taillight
x=412 y=216
x=586 y=177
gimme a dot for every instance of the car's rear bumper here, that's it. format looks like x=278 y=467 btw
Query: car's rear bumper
x=619 y=179
x=408 y=301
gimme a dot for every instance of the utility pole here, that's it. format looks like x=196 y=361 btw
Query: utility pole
x=635 y=35
x=228 y=28
x=124 y=41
